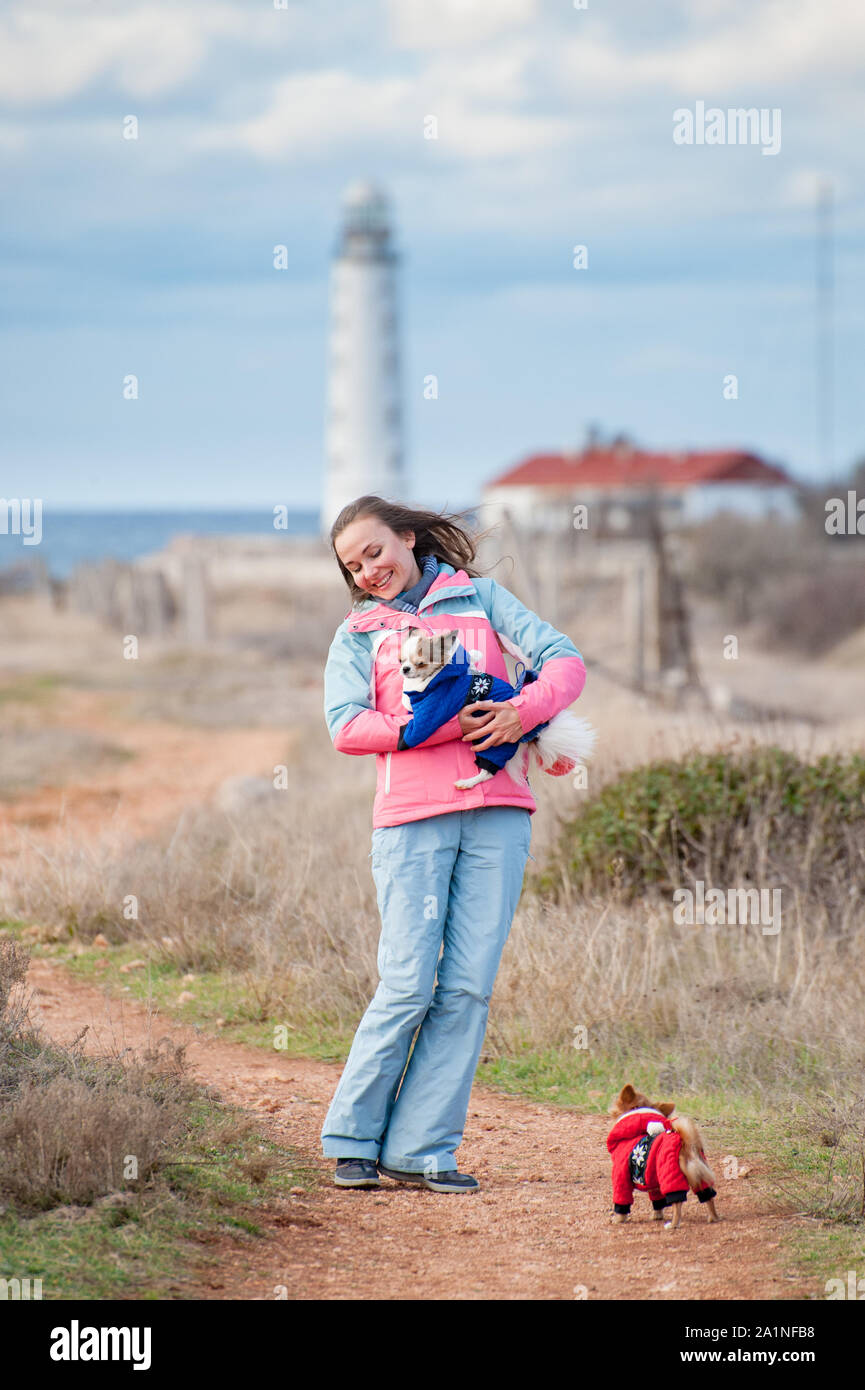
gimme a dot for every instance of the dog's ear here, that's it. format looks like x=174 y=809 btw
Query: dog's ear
x=666 y=1107
x=449 y=641
x=627 y=1097
x=408 y=640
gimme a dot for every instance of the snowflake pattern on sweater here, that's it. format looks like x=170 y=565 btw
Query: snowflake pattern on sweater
x=480 y=687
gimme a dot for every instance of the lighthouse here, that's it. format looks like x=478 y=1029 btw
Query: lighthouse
x=363 y=434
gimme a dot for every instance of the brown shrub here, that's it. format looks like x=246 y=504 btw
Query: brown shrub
x=68 y=1122
x=812 y=613
x=70 y=1141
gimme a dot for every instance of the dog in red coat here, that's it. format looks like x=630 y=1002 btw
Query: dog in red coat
x=658 y=1155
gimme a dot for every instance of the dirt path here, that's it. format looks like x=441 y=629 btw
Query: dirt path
x=171 y=767
x=537 y=1229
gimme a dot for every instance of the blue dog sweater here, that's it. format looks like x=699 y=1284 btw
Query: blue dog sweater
x=454 y=686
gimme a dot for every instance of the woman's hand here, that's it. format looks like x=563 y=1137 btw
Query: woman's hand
x=468 y=720
x=501 y=725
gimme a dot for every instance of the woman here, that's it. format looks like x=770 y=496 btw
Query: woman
x=447 y=863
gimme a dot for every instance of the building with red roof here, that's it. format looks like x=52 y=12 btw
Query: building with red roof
x=617 y=481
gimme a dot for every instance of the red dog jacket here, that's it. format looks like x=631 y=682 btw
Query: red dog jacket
x=645 y=1151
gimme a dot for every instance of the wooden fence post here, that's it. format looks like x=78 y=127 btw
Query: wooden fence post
x=196 y=603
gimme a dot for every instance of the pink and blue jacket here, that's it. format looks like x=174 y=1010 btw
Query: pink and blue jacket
x=365 y=710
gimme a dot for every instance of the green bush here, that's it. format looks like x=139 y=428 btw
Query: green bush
x=761 y=815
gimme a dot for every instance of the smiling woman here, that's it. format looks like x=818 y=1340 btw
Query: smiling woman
x=448 y=853
x=386 y=563
x=375 y=544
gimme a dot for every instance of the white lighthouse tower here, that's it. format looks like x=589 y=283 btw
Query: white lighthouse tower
x=364 y=419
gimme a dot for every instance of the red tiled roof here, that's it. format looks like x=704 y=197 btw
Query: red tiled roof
x=618 y=467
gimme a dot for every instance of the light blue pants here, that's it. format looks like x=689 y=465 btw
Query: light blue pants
x=448 y=883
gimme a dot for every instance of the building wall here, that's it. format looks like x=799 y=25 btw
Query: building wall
x=753 y=500
x=608 y=507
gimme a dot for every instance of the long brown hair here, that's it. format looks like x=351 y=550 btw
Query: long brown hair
x=442 y=534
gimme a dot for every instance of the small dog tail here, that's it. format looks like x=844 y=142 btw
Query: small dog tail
x=691 y=1160
x=566 y=742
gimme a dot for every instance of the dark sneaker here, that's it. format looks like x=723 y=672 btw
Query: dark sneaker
x=451 y=1181
x=356 y=1172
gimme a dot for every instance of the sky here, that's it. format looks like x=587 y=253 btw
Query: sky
x=153 y=256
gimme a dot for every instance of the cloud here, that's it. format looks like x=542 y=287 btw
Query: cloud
x=335 y=112
x=452 y=23
x=748 y=48
x=49 y=54
x=312 y=112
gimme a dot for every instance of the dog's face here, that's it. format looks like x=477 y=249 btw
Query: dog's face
x=422 y=656
x=629 y=1099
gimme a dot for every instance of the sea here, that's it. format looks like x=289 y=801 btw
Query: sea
x=70 y=538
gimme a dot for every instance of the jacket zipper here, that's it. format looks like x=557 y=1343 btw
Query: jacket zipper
x=387 y=773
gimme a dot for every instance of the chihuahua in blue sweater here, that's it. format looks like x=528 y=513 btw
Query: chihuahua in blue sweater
x=438 y=680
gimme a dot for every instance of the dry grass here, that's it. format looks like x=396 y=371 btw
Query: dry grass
x=724 y=1005
x=69 y=1123
x=280 y=890
x=51 y=756
x=67 y=1140
x=284 y=892
x=837 y=1123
